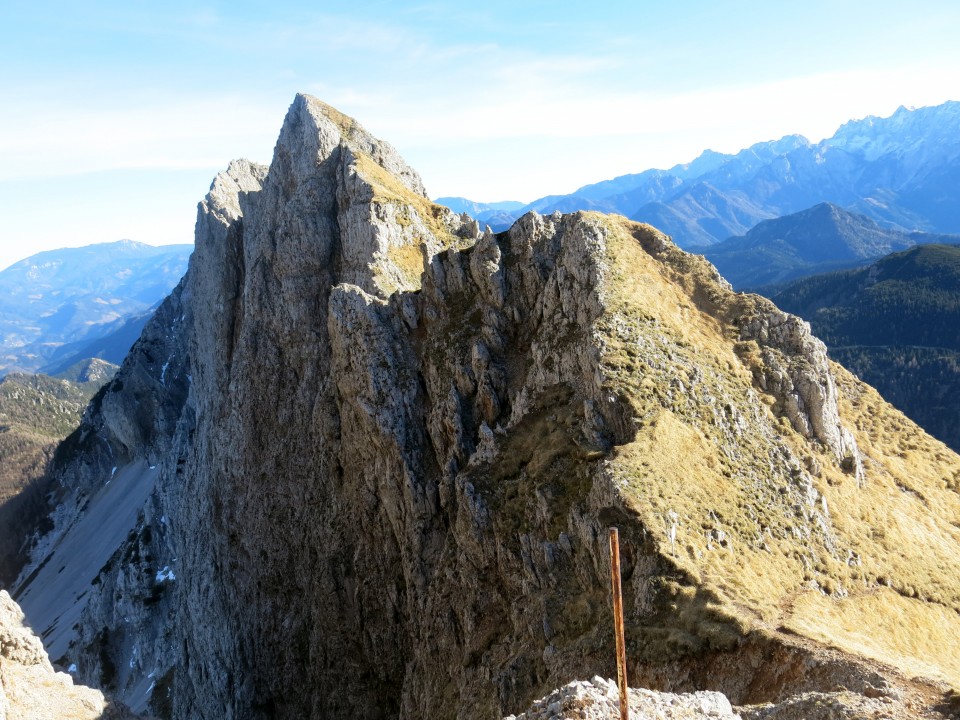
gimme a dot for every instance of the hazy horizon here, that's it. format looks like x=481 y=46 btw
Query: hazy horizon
x=118 y=118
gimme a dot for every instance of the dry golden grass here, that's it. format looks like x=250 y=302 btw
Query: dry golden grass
x=880 y=581
x=344 y=123
x=919 y=638
x=422 y=222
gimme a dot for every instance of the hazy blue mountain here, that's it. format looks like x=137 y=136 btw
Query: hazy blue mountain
x=816 y=240
x=894 y=323
x=902 y=171
x=76 y=295
x=568 y=203
x=89 y=370
x=650 y=183
x=498 y=220
x=703 y=213
x=111 y=347
x=460 y=205
x=498 y=215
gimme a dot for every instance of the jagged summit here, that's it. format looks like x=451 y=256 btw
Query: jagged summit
x=313 y=130
x=380 y=450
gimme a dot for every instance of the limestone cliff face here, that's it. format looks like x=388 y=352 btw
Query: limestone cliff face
x=387 y=447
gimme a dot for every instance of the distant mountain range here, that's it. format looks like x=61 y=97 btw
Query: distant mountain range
x=112 y=347
x=895 y=324
x=496 y=214
x=816 y=240
x=902 y=171
x=55 y=303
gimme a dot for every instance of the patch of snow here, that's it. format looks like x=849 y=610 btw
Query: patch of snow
x=72 y=669
x=165 y=574
x=163 y=371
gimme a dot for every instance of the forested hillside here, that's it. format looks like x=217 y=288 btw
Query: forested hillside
x=895 y=324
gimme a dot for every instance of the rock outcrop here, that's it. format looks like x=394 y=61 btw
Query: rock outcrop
x=599 y=699
x=385 y=448
x=30 y=689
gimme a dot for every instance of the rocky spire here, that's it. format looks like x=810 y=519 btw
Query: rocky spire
x=387 y=447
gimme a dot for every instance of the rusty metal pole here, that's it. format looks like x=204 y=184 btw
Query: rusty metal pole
x=618 y=623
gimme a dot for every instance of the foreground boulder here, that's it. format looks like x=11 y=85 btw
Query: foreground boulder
x=30 y=689
x=599 y=699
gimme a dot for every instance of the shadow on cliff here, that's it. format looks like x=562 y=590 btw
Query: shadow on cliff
x=20 y=516
x=119 y=711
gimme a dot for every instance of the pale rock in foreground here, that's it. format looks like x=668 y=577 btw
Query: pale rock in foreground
x=598 y=699
x=30 y=689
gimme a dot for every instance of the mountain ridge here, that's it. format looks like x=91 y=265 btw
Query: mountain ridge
x=863 y=167
x=894 y=323
x=819 y=239
x=36 y=413
x=75 y=295
x=380 y=450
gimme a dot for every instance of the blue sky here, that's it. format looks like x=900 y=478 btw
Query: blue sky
x=115 y=116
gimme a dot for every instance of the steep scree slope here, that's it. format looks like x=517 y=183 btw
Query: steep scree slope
x=388 y=447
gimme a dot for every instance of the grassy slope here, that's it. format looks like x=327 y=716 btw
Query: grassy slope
x=880 y=582
x=36 y=412
x=708 y=471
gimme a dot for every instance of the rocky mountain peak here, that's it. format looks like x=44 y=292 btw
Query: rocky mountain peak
x=904 y=131
x=379 y=450
x=240 y=177
x=312 y=131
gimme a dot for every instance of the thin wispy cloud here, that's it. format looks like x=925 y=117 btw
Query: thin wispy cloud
x=493 y=100
x=164 y=133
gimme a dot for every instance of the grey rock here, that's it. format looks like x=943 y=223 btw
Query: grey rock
x=385 y=453
x=599 y=699
x=30 y=689
x=797 y=373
